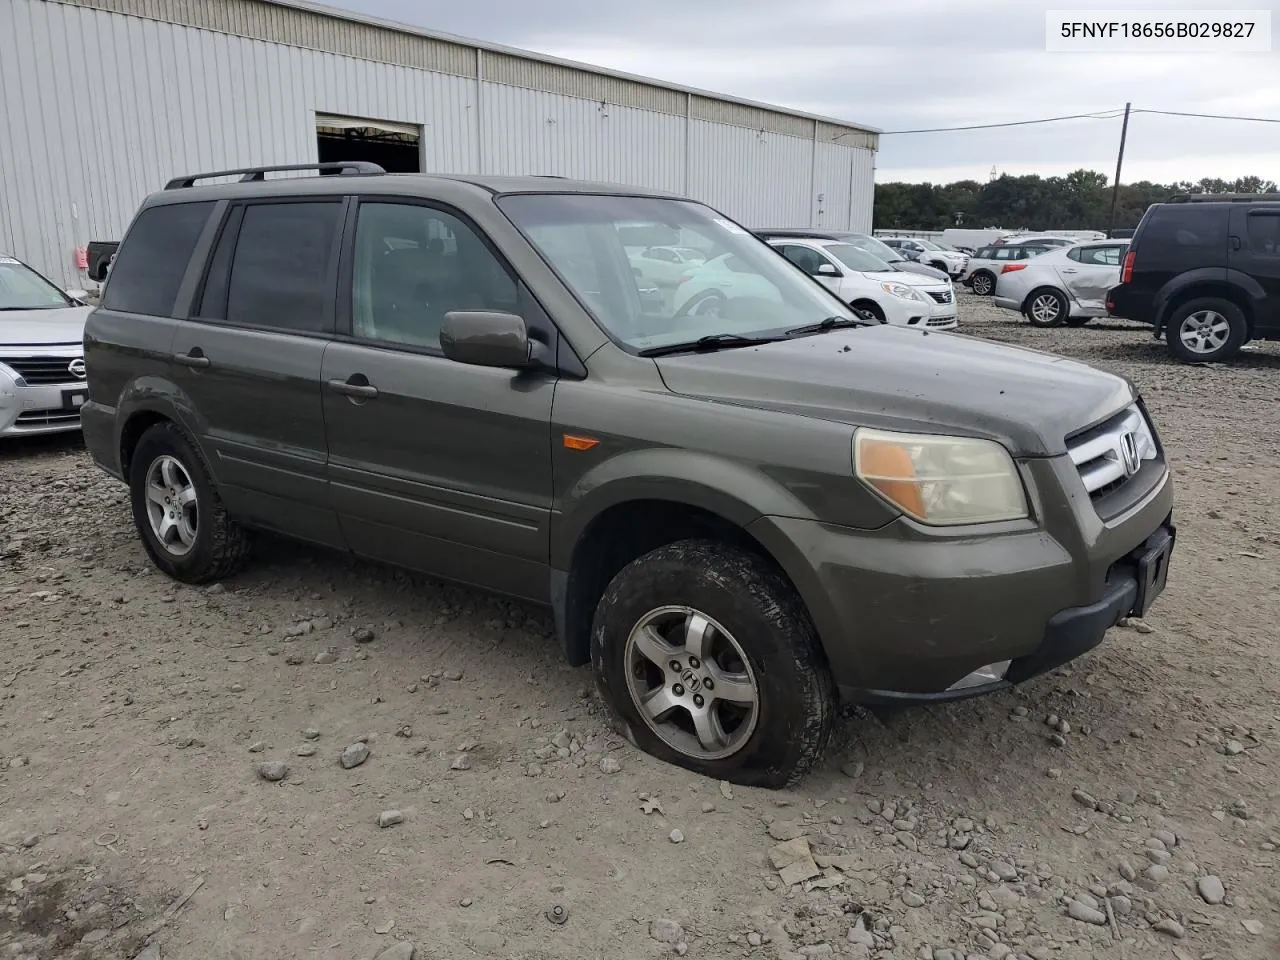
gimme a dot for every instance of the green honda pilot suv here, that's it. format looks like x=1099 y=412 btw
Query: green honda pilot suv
x=741 y=510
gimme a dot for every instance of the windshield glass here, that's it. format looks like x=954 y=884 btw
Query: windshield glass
x=856 y=259
x=928 y=244
x=21 y=288
x=744 y=287
x=877 y=248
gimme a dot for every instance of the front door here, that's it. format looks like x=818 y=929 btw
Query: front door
x=810 y=261
x=434 y=465
x=249 y=359
x=1255 y=252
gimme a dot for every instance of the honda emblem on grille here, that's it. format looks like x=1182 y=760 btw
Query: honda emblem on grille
x=76 y=368
x=1129 y=453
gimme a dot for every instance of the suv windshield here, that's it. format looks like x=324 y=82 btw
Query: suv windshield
x=743 y=289
x=856 y=259
x=21 y=288
x=928 y=244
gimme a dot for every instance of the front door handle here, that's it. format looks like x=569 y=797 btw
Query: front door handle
x=364 y=391
x=193 y=359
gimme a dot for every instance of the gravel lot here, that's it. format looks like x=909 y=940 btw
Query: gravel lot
x=135 y=712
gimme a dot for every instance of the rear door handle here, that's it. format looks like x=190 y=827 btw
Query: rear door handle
x=349 y=389
x=193 y=359
x=1070 y=270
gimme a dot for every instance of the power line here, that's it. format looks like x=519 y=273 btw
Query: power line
x=1100 y=115
x=1209 y=116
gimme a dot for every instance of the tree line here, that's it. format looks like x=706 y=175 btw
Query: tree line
x=1079 y=201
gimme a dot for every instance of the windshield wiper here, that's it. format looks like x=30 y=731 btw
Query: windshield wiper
x=712 y=341
x=822 y=326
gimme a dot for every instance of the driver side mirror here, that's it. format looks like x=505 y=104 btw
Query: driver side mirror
x=826 y=270
x=487 y=338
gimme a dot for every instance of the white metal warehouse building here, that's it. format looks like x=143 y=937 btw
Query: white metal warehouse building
x=105 y=100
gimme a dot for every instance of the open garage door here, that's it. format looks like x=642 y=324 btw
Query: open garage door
x=396 y=147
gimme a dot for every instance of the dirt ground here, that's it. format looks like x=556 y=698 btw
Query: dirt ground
x=134 y=713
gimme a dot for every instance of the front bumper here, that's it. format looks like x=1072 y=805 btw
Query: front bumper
x=27 y=410
x=907 y=615
x=921 y=315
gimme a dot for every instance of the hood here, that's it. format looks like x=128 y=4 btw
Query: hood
x=896 y=378
x=31 y=328
x=910 y=266
x=904 y=278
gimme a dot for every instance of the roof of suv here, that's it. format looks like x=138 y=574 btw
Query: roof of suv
x=370 y=178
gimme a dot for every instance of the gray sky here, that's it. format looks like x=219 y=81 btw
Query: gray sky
x=908 y=64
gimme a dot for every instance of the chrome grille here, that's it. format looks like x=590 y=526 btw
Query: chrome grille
x=47 y=418
x=44 y=370
x=1112 y=453
x=944 y=297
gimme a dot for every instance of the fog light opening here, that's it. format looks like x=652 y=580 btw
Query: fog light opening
x=991 y=673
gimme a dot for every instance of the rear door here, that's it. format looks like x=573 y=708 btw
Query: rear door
x=1088 y=272
x=435 y=465
x=1255 y=241
x=248 y=361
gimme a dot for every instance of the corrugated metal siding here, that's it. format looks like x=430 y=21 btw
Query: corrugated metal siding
x=554 y=78
x=531 y=132
x=301 y=28
x=754 y=118
x=100 y=109
x=759 y=179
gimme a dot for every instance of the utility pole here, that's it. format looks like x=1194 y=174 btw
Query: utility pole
x=1115 y=187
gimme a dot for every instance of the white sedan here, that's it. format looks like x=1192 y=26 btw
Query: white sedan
x=870 y=285
x=1068 y=285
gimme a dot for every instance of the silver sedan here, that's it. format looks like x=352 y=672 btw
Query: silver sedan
x=1068 y=285
x=42 y=375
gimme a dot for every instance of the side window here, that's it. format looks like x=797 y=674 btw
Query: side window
x=1080 y=254
x=414 y=264
x=280 y=267
x=1264 y=234
x=984 y=253
x=1101 y=256
x=803 y=257
x=1005 y=253
x=152 y=260
x=1187 y=234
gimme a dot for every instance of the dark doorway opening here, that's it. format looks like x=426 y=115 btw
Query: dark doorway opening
x=396 y=147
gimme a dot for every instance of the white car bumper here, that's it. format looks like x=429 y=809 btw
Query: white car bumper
x=936 y=312
x=28 y=409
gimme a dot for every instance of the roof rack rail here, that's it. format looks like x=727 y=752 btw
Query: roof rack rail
x=1223 y=197
x=258 y=174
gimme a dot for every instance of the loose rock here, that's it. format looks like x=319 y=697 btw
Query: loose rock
x=354 y=755
x=1086 y=914
x=389 y=818
x=398 y=951
x=1211 y=890
x=666 y=931
x=610 y=765
x=273 y=770
x=1170 y=927
x=676 y=836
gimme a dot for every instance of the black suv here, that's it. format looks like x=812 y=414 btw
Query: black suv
x=1205 y=272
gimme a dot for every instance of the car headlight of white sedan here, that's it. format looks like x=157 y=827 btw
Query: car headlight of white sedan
x=902 y=292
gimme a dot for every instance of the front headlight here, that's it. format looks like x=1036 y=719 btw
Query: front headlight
x=12 y=374
x=940 y=481
x=900 y=291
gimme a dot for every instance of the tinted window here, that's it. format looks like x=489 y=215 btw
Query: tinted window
x=1097 y=256
x=213 y=301
x=1185 y=236
x=153 y=258
x=1264 y=234
x=280 y=271
x=1004 y=253
x=984 y=253
x=414 y=264
x=805 y=258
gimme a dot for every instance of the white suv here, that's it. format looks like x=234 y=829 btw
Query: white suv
x=869 y=285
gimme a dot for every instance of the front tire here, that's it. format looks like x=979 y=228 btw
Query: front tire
x=1047 y=308
x=1206 y=330
x=180 y=517
x=983 y=284
x=707 y=659
x=869 y=309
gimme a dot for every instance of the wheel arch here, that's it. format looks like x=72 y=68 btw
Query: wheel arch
x=1231 y=285
x=619 y=521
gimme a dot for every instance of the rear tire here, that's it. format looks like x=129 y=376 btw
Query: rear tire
x=774 y=703
x=180 y=517
x=1206 y=330
x=1046 y=307
x=983 y=283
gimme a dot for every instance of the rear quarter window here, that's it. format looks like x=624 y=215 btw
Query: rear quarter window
x=1184 y=236
x=153 y=258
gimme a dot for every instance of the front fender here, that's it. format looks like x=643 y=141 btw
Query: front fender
x=727 y=488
